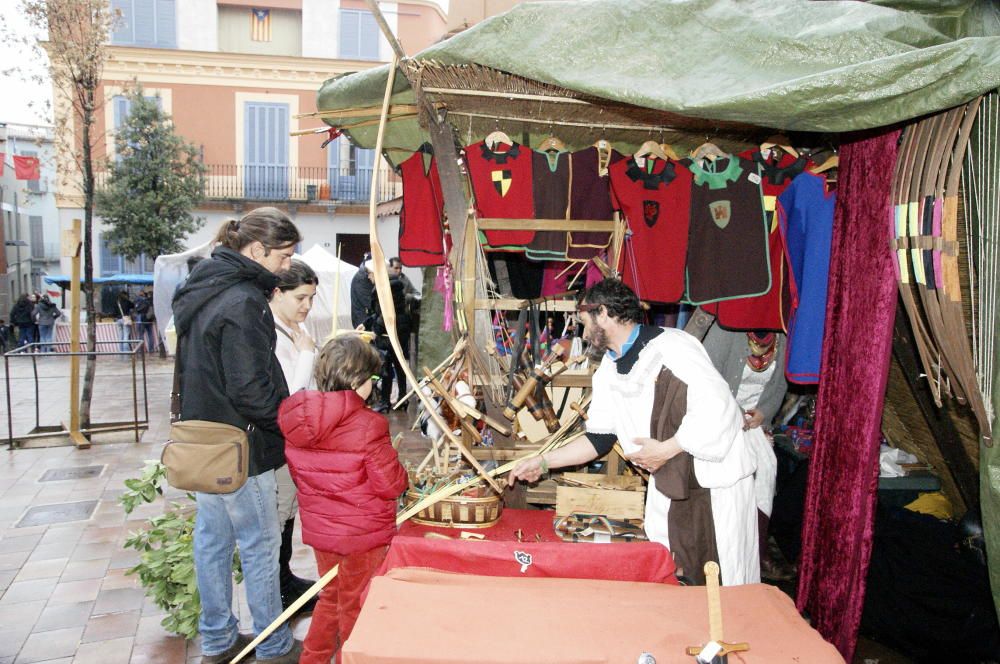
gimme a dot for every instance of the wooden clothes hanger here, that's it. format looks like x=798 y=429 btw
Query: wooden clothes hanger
x=709 y=151
x=829 y=164
x=551 y=143
x=669 y=151
x=651 y=149
x=603 y=156
x=781 y=142
x=497 y=137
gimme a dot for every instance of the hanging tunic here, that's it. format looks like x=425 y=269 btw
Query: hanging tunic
x=550 y=186
x=501 y=185
x=421 y=227
x=768 y=311
x=805 y=216
x=590 y=198
x=727 y=245
x=656 y=206
x=711 y=431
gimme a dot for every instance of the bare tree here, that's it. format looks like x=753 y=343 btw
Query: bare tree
x=78 y=33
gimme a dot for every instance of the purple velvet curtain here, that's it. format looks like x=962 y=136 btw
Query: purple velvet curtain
x=843 y=471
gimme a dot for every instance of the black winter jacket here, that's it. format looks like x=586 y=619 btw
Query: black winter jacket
x=226 y=338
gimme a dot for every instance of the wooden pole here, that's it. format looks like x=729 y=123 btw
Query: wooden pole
x=336 y=293
x=71 y=247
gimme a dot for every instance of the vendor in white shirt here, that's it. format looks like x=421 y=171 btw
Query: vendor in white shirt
x=296 y=352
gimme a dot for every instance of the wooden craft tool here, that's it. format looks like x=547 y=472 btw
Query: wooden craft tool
x=716 y=650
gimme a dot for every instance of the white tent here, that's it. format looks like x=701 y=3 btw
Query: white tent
x=169 y=271
x=327 y=266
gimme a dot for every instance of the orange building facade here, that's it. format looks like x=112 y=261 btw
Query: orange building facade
x=234 y=76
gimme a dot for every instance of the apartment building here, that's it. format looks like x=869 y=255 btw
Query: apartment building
x=30 y=220
x=234 y=75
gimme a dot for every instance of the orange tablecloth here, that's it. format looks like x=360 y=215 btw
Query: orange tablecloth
x=417 y=615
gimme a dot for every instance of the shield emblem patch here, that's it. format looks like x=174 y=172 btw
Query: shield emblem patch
x=721 y=213
x=501 y=181
x=650 y=212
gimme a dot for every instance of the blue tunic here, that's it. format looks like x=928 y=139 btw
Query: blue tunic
x=805 y=212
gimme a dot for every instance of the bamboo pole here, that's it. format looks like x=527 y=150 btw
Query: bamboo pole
x=336 y=293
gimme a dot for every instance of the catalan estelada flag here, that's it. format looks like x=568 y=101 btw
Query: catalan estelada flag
x=260 y=24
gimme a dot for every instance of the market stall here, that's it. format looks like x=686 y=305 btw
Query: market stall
x=851 y=76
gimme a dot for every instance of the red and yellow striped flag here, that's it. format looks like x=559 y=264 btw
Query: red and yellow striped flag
x=260 y=24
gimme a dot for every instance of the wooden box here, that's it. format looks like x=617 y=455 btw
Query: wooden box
x=614 y=496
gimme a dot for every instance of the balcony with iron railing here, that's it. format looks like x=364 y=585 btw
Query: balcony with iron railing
x=296 y=184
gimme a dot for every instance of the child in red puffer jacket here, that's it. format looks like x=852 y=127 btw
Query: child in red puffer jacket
x=348 y=477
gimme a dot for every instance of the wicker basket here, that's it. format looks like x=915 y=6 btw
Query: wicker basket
x=459 y=511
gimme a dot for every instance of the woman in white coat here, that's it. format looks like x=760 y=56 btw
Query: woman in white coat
x=296 y=352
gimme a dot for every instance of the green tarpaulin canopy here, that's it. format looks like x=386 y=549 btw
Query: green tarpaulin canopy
x=788 y=64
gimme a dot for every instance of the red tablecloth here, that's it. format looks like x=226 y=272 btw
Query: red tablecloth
x=415 y=616
x=502 y=555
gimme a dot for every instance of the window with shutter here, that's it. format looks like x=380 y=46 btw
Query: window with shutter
x=150 y=23
x=266 y=150
x=123 y=33
x=37 y=236
x=350 y=33
x=368 y=36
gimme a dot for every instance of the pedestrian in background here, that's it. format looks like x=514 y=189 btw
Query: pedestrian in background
x=46 y=314
x=23 y=316
x=124 y=306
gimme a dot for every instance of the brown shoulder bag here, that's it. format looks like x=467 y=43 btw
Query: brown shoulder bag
x=210 y=457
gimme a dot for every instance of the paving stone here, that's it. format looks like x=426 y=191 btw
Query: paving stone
x=94 y=551
x=162 y=652
x=77 y=570
x=42 y=569
x=111 y=626
x=15 y=544
x=27 y=591
x=14 y=560
x=119 y=599
x=72 y=592
x=51 y=551
x=11 y=640
x=44 y=646
x=61 y=616
x=114 y=651
x=118 y=578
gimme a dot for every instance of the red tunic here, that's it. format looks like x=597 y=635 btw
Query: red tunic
x=421 y=231
x=656 y=206
x=769 y=311
x=501 y=184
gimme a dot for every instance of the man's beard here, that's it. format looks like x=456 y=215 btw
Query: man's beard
x=598 y=343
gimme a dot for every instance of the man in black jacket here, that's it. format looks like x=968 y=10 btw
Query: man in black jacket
x=229 y=374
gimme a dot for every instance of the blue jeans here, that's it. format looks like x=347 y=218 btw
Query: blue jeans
x=124 y=334
x=45 y=337
x=25 y=335
x=248 y=517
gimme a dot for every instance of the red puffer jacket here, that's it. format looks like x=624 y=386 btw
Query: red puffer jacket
x=346 y=471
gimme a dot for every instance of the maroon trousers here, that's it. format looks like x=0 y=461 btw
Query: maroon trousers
x=339 y=602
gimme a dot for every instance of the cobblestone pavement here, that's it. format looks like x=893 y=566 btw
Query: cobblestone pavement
x=66 y=596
